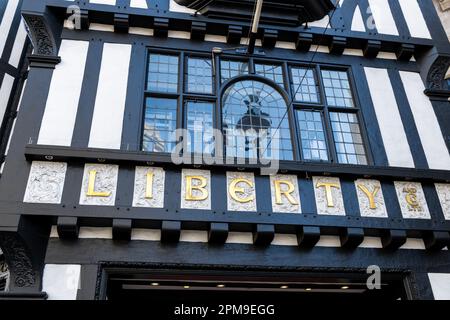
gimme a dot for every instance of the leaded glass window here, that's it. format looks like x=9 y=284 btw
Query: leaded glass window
x=253 y=122
x=162 y=73
x=199 y=75
x=312 y=135
x=270 y=71
x=304 y=85
x=230 y=69
x=200 y=127
x=159 y=125
x=337 y=88
x=347 y=137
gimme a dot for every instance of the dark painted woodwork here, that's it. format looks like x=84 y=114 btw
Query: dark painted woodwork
x=436 y=241
x=68 y=228
x=393 y=239
x=351 y=238
x=170 y=231
x=218 y=233
x=121 y=23
x=304 y=41
x=121 y=229
x=263 y=234
x=308 y=236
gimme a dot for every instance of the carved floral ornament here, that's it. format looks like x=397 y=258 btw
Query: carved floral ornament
x=99 y=186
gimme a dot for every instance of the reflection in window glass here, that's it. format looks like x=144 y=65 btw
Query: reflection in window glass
x=312 y=135
x=252 y=113
x=199 y=79
x=159 y=125
x=305 y=86
x=162 y=73
x=272 y=72
x=200 y=127
x=230 y=69
x=337 y=88
x=347 y=138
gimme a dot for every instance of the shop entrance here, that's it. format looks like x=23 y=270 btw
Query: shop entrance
x=208 y=286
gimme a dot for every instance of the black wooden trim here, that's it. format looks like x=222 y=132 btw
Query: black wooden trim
x=218 y=233
x=393 y=239
x=263 y=234
x=67 y=154
x=436 y=241
x=308 y=236
x=304 y=41
x=121 y=229
x=351 y=238
x=170 y=231
x=68 y=228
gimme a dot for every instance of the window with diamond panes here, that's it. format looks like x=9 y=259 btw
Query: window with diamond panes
x=199 y=125
x=199 y=75
x=230 y=69
x=160 y=124
x=312 y=135
x=162 y=73
x=305 y=87
x=270 y=71
x=337 y=89
x=347 y=138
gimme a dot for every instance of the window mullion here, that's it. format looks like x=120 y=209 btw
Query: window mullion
x=326 y=115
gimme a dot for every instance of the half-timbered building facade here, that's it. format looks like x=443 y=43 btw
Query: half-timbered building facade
x=153 y=147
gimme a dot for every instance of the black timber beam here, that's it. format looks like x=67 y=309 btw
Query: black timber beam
x=170 y=231
x=121 y=229
x=393 y=239
x=68 y=228
x=263 y=234
x=218 y=233
x=307 y=236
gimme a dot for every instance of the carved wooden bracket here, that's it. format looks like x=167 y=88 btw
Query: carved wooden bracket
x=437 y=84
x=43 y=39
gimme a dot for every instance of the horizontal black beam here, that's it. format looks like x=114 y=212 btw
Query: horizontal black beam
x=69 y=154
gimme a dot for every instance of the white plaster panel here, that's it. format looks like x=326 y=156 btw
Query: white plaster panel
x=443 y=191
x=146 y=234
x=321 y=197
x=106 y=181
x=175 y=7
x=107 y=2
x=140 y=187
x=240 y=237
x=5 y=93
x=440 y=284
x=322 y=23
x=61 y=108
x=364 y=202
x=6 y=22
x=285 y=240
x=45 y=182
x=249 y=191
x=19 y=42
x=95 y=233
x=414 y=192
x=107 y=121
x=101 y=27
x=427 y=124
x=383 y=17
x=198 y=205
x=414 y=19
x=391 y=126
x=61 y=281
x=141 y=4
x=193 y=236
x=358 y=22
x=286 y=207
x=141 y=31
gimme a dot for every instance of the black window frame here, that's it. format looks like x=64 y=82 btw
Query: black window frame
x=288 y=90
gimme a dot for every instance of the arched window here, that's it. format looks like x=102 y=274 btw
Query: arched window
x=4 y=273
x=255 y=122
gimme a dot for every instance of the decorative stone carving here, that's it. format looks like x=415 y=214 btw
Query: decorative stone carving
x=140 y=188
x=445 y=5
x=443 y=191
x=18 y=259
x=412 y=200
x=106 y=181
x=286 y=206
x=45 y=182
x=377 y=209
x=196 y=204
x=41 y=35
x=437 y=74
x=4 y=273
x=249 y=192
x=323 y=202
